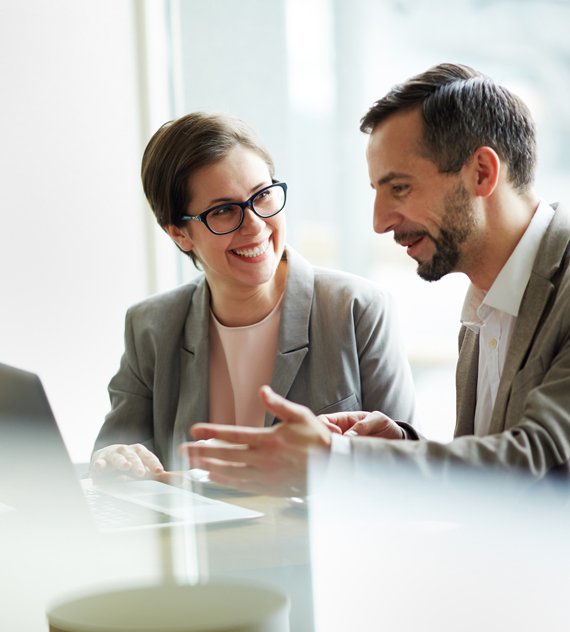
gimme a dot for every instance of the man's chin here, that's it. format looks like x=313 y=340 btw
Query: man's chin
x=430 y=271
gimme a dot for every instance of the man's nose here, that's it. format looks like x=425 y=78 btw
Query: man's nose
x=385 y=219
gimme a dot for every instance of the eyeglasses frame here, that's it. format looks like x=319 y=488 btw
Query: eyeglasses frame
x=201 y=217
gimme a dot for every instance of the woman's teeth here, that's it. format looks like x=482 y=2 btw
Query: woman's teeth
x=253 y=252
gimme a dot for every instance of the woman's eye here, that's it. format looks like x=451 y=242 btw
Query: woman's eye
x=223 y=210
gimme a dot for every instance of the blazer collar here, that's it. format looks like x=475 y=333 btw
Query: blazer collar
x=466 y=382
x=195 y=336
x=297 y=302
x=293 y=344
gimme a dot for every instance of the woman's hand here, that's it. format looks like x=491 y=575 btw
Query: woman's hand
x=122 y=461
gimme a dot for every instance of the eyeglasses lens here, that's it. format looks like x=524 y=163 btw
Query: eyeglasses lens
x=225 y=219
x=269 y=201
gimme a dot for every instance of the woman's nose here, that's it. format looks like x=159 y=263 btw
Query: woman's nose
x=251 y=221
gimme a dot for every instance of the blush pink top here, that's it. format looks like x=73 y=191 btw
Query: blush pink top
x=241 y=360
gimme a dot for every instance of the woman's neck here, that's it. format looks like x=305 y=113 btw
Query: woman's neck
x=246 y=306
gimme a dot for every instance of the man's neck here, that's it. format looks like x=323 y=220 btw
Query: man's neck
x=507 y=217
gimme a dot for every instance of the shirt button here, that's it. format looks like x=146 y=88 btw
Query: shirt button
x=492 y=343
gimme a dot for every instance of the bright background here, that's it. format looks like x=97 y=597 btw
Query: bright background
x=86 y=82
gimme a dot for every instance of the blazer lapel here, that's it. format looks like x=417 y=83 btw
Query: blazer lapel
x=293 y=343
x=466 y=383
x=194 y=365
x=534 y=302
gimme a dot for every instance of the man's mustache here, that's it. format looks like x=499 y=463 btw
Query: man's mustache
x=409 y=237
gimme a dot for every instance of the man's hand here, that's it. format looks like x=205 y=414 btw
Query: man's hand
x=360 y=423
x=269 y=461
x=122 y=461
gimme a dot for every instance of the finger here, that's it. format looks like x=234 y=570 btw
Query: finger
x=149 y=460
x=261 y=460
x=255 y=482
x=107 y=467
x=241 y=435
x=366 y=425
x=351 y=416
x=125 y=459
x=378 y=425
x=118 y=461
x=345 y=420
x=176 y=478
x=283 y=409
x=232 y=455
x=332 y=427
x=99 y=464
x=236 y=475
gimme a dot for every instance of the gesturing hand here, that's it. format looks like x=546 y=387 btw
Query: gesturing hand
x=265 y=460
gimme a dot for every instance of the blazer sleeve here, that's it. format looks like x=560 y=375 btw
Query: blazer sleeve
x=386 y=377
x=130 y=391
x=536 y=438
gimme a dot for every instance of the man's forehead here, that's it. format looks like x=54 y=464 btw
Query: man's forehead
x=395 y=142
x=401 y=128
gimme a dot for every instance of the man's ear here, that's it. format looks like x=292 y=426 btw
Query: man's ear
x=180 y=237
x=486 y=170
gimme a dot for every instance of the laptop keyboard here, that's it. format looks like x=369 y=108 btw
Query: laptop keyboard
x=111 y=513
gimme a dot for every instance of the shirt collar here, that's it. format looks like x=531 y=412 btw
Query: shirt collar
x=508 y=288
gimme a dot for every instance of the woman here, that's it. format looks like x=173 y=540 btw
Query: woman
x=259 y=313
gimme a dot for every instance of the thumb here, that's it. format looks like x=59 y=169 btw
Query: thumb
x=373 y=423
x=283 y=409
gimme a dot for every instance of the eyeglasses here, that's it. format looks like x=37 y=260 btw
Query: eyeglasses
x=226 y=218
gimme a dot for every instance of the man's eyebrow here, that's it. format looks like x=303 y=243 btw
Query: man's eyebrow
x=392 y=175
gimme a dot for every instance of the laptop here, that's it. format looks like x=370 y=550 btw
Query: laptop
x=38 y=478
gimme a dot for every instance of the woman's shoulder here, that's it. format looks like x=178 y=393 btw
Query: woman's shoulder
x=347 y=283
x=334 y=284
x=169 y=305
x=348 y=288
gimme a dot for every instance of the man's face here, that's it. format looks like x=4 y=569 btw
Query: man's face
x=430 y=213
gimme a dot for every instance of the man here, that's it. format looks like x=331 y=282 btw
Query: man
x=451 y=157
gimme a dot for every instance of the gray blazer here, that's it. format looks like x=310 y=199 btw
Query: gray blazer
x=530 y=425
x=338 y=349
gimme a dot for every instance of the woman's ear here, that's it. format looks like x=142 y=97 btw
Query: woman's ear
x=486 y=166
x=180 y=237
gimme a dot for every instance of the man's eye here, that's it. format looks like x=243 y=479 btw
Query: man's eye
x=399 y=189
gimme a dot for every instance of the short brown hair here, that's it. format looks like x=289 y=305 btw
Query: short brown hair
x=463 y=109
x=181 y=147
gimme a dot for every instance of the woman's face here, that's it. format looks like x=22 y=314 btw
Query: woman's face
x=250 y=255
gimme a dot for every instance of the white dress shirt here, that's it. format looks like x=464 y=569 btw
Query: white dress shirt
x=493 y=314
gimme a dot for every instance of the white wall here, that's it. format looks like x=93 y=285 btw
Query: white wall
x=73 y=224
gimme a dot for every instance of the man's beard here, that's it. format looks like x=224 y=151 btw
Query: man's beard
x=457 y=225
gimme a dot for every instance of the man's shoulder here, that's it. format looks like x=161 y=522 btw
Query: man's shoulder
x=552 y=257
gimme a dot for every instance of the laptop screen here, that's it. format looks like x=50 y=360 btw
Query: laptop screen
x=36 y=474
